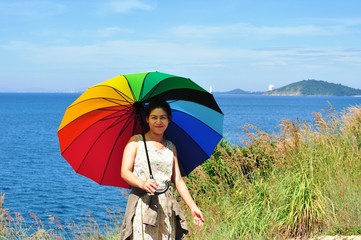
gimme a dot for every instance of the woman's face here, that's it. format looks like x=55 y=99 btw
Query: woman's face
x=158 y=121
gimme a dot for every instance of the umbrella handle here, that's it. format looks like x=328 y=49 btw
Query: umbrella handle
x=160 y=191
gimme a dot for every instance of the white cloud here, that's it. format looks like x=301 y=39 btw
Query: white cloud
x=245 y=30
x=126 y=6
x=207 y=64
x=343 y=22
x=111 y=31
x=148 y=52
x=30 y=8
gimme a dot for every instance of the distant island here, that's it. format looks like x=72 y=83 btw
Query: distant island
x=309 y=87
x=238 y=91
x=314 y=88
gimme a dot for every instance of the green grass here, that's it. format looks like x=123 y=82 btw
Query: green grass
x=300 y=183
x=303 y=182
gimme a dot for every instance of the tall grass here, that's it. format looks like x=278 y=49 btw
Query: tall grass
x=303 y=182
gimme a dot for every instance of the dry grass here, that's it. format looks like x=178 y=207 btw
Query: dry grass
x=14 y=226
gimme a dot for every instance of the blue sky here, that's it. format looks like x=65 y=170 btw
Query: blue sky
x=59 y=45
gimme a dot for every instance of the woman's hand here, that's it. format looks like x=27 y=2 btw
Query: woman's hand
x=150 y=186
x=184 y=192
x=197 y=216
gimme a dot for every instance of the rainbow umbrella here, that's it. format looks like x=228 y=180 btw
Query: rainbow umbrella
x=97 y=126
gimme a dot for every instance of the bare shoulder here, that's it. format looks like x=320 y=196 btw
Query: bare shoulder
x=134 y=138
x=133 y=141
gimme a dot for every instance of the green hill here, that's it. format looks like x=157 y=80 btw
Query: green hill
x=314 y=88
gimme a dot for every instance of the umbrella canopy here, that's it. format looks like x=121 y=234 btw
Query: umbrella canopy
x=97 y=126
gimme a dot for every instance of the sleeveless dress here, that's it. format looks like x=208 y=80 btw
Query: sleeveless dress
x=162 y=167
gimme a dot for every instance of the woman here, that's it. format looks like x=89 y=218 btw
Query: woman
x=149 y=215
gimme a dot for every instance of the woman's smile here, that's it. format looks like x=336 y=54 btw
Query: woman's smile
x=158 y=120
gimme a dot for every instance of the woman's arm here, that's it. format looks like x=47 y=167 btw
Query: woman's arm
x=127 y=174
x=184 y=192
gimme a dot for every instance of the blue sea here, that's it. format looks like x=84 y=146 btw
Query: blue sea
x=36 y=180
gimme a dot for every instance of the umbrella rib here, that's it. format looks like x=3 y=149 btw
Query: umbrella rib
x=204 y=123
x=128 y=121
x=154 y=88
x=191 y=140
x=106 y=108
x=123 y=97
x=190 y=135
x=184 y=94
x=150 y=93
x=102 y=109
x=131 y=113
x=200 y=97
x=141 y=89
x=128 y=101
x=112 y=125
x=199 y=121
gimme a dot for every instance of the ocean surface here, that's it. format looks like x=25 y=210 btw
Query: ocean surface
x=36 y=180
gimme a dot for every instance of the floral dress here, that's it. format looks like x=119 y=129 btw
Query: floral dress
x=162 y=167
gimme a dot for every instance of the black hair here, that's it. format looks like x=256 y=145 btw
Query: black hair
x=158 y=103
